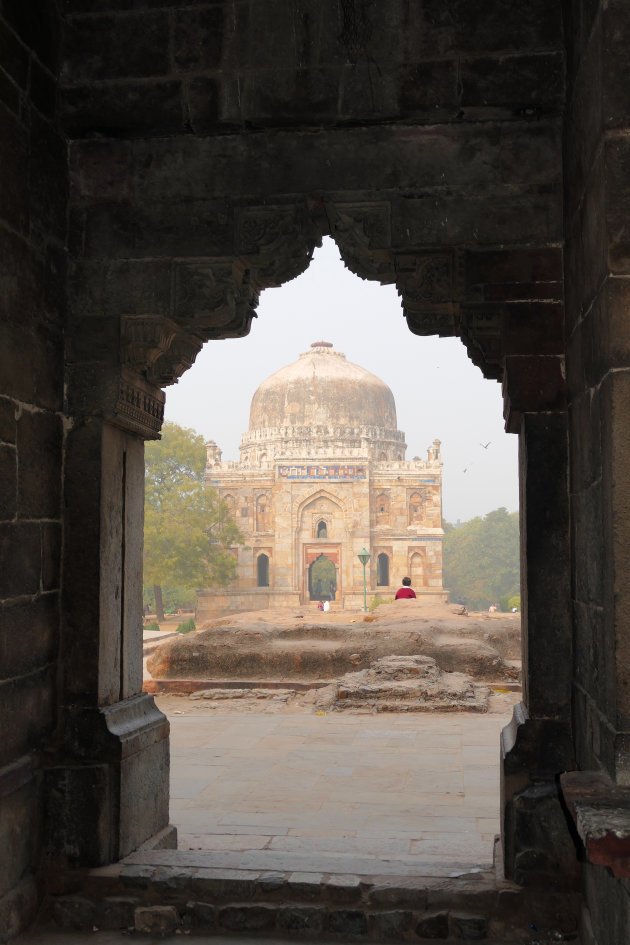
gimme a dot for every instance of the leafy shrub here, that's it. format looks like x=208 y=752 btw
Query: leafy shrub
x=514 y=602
x=187 y=626
x=154 y=625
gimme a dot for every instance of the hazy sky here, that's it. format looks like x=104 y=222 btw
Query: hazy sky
x=438 y=391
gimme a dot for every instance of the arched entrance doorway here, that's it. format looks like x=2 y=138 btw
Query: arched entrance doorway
x=322 y=579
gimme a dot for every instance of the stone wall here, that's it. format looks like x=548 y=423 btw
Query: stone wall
x=597 y=265
x=598 y=364
x=33 y=195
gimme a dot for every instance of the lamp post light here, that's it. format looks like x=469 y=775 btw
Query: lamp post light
x=364 y=557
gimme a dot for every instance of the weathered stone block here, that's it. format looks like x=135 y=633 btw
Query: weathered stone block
x=20 y=823
x=170 y=878
x=198 y=38
x=469 y=927
x=428 y=85
x=19 y=907
x=137 y=876
x=301 y=919
x=411 y=895
x=8 y=482
x=74 y=912
x=305 y=885
x=270 y=883
x=51 y=555
x=117 y=912
x=247 y=918
x=7 y=420
x=201 y=916
x=156 y=920
x=207 y=885
x=132 y=108
x=30 y=363
x=433 y=926
x=20 y=552
x=113 y=47
x=518 y=82
x=392 y=924
x=616 y=74
x=14 y=151
x=39 y=443
x=29 y=637
x=203 y=99
x=348 y=922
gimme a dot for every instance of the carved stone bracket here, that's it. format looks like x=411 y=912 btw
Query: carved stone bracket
x=362 y=231
x=275 y=242
x=140 y=406
x=215 y=297
x=210 y=299
x=482 y=334
x=144 y=339
x=429 y=287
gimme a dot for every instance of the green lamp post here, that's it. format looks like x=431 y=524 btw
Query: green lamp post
x=364 y=557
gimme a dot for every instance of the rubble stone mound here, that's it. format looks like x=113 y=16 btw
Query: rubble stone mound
x=405 y=684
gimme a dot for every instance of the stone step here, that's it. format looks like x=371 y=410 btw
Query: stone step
x=159 y=900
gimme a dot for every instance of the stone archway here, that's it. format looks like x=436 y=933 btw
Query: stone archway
x=322 y=579
x=495 y=297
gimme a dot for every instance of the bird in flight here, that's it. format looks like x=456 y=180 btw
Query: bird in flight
x=486 y=445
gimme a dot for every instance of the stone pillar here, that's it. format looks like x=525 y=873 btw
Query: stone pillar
x=536 y=746
x=108 y=780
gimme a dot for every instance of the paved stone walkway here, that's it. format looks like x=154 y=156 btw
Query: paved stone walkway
x=361 y=794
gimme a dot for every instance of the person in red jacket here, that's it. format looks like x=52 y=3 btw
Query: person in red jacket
x=405 y=590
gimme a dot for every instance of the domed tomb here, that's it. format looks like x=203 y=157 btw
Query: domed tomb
x=327 y=401
x=322 y=476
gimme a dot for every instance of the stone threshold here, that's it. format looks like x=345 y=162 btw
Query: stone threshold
x=164 y=892
x=601 y=813
x=156 y=686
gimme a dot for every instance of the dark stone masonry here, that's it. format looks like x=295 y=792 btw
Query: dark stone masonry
x=160 y=164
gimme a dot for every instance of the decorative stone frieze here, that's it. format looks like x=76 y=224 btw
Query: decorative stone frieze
x=140 y=406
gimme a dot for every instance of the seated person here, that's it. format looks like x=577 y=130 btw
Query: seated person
x=405 y=590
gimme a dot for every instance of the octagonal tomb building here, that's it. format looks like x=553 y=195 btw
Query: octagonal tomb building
x=322 y=474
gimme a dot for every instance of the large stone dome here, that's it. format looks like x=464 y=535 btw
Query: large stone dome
x=320 y=388
x=322 y=404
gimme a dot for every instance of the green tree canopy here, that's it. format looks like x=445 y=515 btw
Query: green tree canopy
x=482 y=559
x=188 y=531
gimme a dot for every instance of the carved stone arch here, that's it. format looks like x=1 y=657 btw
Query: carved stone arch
x=320 y=494
x=383 y=508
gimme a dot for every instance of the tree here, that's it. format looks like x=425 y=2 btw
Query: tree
x=482 y=559
x=188 y=531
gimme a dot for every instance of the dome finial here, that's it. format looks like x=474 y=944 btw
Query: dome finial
x=321 y=344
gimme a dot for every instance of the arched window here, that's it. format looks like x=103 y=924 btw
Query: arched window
x=262 y=571
x=382 y=509
x=382 y=570
x=262 y=514
x=416 y=508
x=416 y=570
x=322 y=530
